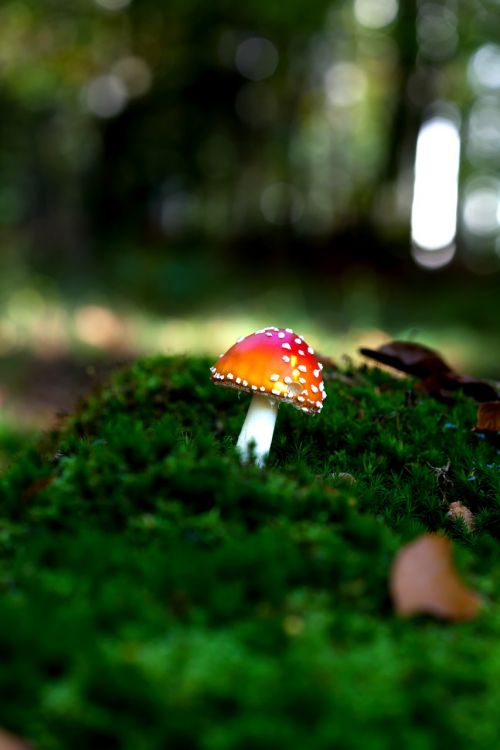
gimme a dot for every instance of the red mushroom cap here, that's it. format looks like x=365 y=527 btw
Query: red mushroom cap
x=276 y=362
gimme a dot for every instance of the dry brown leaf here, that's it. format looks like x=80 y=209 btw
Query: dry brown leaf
x=459 y=510
x=488 y=417
x=437 y=377
x=407 y=356
x=424 y=581
x=10 y=742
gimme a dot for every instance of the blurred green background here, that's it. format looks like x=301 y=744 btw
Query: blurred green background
x=175 y=174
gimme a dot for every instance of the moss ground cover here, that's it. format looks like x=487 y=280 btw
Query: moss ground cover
x=155 y=594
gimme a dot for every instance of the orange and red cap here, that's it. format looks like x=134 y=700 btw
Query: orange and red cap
x=275 y=362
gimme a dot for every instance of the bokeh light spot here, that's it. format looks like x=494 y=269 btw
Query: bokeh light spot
x=483 y=133
x=433 y=261
x=135 y=74
x=256 y=58
x=481 y=206
x=375 y=14
x=106 y=96
x=100 y=327
x=435 y=195
x=484 y=67
x=345 y=84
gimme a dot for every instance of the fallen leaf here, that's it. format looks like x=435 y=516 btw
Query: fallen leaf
x=488 y=417
x=436 y=387
x=407 y=356
x=437 y=377
x=424 y=581
x=459 y=510
x=10 y=742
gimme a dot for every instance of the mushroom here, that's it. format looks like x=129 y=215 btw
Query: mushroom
x=273 y=364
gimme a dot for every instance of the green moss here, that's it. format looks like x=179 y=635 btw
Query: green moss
x=155 y=593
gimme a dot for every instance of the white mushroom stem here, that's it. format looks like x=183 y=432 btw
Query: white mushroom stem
x=258 y=428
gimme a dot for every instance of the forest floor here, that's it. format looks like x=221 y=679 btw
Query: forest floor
x=156 y=592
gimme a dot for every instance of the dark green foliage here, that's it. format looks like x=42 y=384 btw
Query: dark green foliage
x=157 y=594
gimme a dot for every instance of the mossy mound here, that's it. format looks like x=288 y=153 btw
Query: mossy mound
x=157 y=594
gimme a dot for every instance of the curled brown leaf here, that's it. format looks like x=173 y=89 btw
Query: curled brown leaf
x=436 y=377
x=410 y=357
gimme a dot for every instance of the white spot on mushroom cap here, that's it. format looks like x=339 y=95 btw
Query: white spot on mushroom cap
x=301 y=352
x=274 y=377
x=288 y=330
x=316 y=373
x=297 y=340
x=245 y=383
x=320 y=365
x=275 y=391
x=310 y=350
x=262 y=387
x=314 y=389
x=302 y=380
x=300 y=398
x=285 y=358
x=302 y=368
x=230 y=376
x=287 y=378
x=268 y=333
x=319 y=404
x=322 y=386
x=254 y=387
x=281 y=335
x=286 y=345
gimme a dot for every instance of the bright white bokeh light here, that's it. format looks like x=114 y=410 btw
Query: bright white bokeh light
x=435 y=260
x=375 y=14
x=256 y=58
x=106 y=96
x=481 y=206
x=345 y=84
x=484 y=67
x=435 y=193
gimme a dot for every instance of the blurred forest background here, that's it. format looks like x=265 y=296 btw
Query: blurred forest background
x=175 y=173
